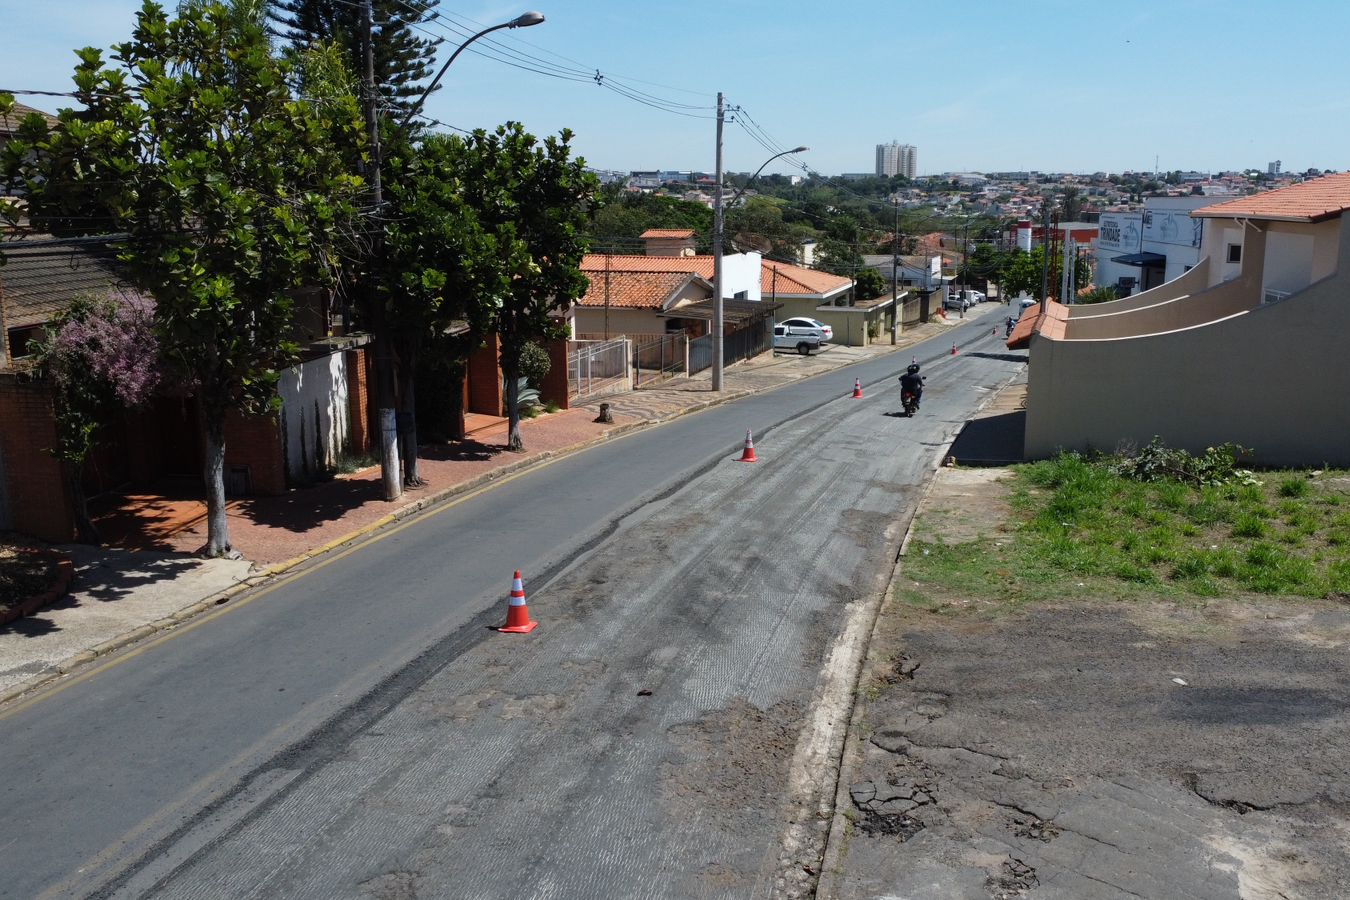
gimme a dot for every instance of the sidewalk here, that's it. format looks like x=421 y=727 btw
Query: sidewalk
x=120 y=596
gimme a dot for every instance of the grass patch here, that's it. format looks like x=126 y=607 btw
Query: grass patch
x=1177 y=528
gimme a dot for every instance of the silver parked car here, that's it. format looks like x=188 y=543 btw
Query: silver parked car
x=801 y=334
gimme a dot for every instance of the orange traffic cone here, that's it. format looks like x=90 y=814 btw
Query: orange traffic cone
x=749 y=454
x=953 y=350
x=517 y=613
x=857 y=389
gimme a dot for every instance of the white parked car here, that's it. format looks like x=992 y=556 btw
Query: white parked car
x=801 y=334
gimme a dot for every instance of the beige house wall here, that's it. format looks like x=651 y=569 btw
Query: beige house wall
x=1193 y=282
x=1270 y=379
x=591 y=321
x=626 y=320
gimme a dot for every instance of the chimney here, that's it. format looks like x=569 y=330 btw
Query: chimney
x=669 y=242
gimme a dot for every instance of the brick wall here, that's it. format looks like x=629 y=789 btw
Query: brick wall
x=255 y=441
x=485 y=380
x=358 y=400
x=36 y=497
x=554 y=388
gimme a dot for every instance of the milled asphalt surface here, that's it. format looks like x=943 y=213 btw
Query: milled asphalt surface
x=356 y=730
x=119 y=596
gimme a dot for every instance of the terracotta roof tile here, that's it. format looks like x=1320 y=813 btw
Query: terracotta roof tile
x=797 y=280
x=1312 y=201
x=791 y=279
x=10 y=123
x=1051 y=325
x=668 y=233
x=38 y=283
x=633 y=290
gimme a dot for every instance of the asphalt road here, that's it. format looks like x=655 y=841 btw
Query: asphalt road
x=357 y=730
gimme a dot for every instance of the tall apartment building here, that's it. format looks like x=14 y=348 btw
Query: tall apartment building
x=897 y=159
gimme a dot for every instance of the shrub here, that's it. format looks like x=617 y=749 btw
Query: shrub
x=1293 y=486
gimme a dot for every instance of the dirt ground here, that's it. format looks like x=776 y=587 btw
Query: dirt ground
x=1095 y=749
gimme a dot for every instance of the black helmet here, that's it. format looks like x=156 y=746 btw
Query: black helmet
x=913 y=369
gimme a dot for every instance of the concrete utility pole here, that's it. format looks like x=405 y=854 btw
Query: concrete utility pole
x=391 y=474
x=717 y=255
x=1045 y=251
x=895 y=275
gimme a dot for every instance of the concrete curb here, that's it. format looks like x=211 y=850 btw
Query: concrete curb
x=831 y=866
x=84 y=657
x=220 y=598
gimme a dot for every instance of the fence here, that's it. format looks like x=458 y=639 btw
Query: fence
x=597 y=367
x=659 y=357
x=753 y=339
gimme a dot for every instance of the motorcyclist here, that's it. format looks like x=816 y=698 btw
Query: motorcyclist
x=1010 y=325
x=912 y=382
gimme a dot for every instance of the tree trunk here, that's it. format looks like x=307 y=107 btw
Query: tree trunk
x=456 y=429
x=513 y=441
x=86 y=532
x=407 y=413
x=213 y=476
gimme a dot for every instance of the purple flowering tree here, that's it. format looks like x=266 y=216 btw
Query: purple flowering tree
x=102 y=355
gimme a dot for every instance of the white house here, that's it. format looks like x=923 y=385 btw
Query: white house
x=1137 y=251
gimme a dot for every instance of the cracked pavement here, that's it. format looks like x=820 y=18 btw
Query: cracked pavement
x=1049 y=753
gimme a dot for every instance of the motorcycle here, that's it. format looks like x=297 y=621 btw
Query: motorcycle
x=910 y=401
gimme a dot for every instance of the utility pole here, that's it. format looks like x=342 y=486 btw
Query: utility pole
x=390 y=469
x=717 y=255
x=895 y=274
x=609 y=256
x=1045 y=251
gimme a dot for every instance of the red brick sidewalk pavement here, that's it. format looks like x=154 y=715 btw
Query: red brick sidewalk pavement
x=270 y=530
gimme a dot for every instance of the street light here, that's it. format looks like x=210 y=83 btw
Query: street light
x=524 y=20
x=718 y=224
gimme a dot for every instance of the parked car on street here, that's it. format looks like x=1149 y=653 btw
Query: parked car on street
x=956 y=301
x=801 y=334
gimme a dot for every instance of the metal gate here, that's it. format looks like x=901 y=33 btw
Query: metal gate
x=753 y=339
x=659 y=357
x=597 y=367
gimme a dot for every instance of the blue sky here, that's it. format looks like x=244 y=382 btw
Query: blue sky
x=976 y=85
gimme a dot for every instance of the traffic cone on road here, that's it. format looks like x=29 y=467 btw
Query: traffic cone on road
x=857 y=389
x=953 y=353
x=517 y=613
x=748 y=455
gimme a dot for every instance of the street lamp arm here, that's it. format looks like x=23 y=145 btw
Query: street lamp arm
x=752 y=178
x=522 y=21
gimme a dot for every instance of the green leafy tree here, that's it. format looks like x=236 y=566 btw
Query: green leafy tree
x=229 y=189
x=622 y=217
x=404 y=53
x=532 y=201
x=439 y=270
x=868 y=283
x=1021 y=273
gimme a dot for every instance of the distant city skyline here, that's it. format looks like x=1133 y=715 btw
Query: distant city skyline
x=896 y=158
x=1050 y=86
